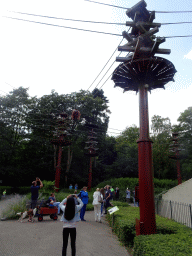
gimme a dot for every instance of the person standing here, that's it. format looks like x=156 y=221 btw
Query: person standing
x=117 y=193
x=108 y=196
x=70 y=187
x=134 y=197
x=34 y=194
x=102 y=204
x=112 y=192
x=128 y=195
x=97 y=200
x=85 y=198
x=76 y=186
x=4 y=193
x=70 y=218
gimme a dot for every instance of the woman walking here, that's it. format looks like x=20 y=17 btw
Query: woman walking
x=97 y=199
x=102 y=204
x=70 y=218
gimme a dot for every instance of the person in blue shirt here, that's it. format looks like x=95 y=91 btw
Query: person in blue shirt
x=85 y=198
x=35 y=194
x=54 y=203
x=70 y=187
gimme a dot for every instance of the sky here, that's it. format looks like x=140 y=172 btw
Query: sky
x=43 y=57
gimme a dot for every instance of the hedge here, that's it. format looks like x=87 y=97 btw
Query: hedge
x=163 y=245
x=172 y=238
x=123 y=183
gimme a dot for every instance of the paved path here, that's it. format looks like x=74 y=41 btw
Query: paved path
x=45 y=238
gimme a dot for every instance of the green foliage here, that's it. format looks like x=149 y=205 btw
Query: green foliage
x=124 y=224
x=16 y=204
x=8 y=190
x=172 y=238
x=160 y=245
x=123 y=183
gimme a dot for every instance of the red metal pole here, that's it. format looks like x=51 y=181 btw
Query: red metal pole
x=147 y=223
x=90 y=175
x=58 y=170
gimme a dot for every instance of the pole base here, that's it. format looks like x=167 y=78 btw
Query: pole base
x=144 y=228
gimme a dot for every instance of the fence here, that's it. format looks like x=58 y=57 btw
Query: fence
x=180 y=212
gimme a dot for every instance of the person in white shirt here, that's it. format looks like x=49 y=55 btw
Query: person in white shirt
x=70 y=218
x=97 y=200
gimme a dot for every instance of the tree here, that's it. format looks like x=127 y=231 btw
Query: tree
x=184 y=128
x=161 y=136
x=126 y=164
x=30 y=128
x=14 y=108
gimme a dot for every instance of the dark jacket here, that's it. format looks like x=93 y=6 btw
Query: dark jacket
x=34 y=192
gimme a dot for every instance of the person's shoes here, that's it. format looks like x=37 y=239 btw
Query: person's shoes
x=96 y=220
x=83 y=220
x=100 y=221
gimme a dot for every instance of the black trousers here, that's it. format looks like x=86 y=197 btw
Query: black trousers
x=66 y=232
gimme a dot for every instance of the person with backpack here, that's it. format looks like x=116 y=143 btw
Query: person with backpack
x=97 y=200
x=70 y=218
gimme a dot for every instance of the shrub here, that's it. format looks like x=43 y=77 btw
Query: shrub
x=124 y=227
x=124 y=224
x=8 y=190
x=160 y=245
x=23 y=190
x=16 y=204
x=123 y=183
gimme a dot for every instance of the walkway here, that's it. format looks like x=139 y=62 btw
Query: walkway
x=45 y=238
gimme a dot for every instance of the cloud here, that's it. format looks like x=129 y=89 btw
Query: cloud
x=188 y=56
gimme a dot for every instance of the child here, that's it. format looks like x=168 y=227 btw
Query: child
x=4 y=193
x=70 y=218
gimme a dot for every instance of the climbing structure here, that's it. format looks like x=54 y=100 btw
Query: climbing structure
x=141 y=71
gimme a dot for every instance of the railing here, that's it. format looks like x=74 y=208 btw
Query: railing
x=180 y=212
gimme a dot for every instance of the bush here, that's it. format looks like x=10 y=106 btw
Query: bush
x=23 y=190
x=124 y=224
x=8 y=190
x=123 y=183
x=16 y=204
x=172 y=238
x=163 y=245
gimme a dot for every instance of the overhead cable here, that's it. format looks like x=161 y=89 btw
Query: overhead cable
x=106 y=64
x=42 y=23
x=57 y=18
x=96 y=22
x=111 y=5
x=99 y=32
x=109 y=67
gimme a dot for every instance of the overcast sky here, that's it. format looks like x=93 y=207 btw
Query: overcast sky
x=43 y=57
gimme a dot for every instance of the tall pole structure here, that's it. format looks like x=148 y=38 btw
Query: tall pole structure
x=92 y=143
x=142 y=72
x=62 y=138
